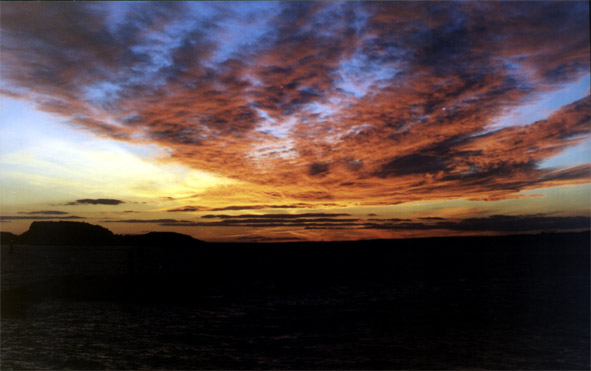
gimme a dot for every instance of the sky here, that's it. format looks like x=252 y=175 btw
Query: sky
x=295 y=121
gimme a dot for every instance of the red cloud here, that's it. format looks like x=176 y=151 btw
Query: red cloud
x=375 y=103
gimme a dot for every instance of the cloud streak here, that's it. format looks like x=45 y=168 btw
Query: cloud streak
x=95 y=201
x=190 y=208
x=497 y=223
x=4 y=218
x=494 y=223
x=146 y=221
x=45 y=212
x=276 y=216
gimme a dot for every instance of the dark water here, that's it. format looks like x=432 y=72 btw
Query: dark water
x=504 y=320
x=346 y=327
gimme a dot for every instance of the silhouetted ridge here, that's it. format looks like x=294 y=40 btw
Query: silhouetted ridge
x=158 y=238
x=66 y=233
x=84 y=234
x=6 y=237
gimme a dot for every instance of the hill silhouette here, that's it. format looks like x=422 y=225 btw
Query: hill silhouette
x=85 y=234
x=157 y=238
x=6 y=237
x=66 y=233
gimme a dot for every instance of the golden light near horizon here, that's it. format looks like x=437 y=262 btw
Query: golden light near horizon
x=375 y=120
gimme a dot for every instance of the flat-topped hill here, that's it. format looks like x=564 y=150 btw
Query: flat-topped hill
x=85 y=234
x=6 y=237
x=66 y=233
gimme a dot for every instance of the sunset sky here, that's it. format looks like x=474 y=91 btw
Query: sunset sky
x=287 y=121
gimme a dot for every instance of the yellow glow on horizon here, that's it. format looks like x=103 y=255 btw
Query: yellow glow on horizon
x=100 y=168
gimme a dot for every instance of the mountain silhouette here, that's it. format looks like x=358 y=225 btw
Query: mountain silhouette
x=85 y=234
x=66 y=233
x=157 y=238
x=6 y=237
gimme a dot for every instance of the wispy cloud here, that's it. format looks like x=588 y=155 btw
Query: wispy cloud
x=494 y=223
x=45 y=212
x=276 y=216
x=95 y=201
x=191 y=208
x=186 y=209
x=37 y=217
x=517 y=223
x=258 y=239
x=148 y=221
x=497 y=223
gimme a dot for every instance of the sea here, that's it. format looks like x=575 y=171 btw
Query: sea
x=455 y=321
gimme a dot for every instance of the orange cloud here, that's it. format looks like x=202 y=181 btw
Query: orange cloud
x=371 y=103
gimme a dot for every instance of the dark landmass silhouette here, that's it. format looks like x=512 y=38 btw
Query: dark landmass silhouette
x=492 y=302
x=66 y=233
x=6 y=237
x=158 y=238
x=85 y=234
x=159 y=264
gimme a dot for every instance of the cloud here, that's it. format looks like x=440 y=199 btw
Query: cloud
x=239 y=207
x=519 y=223
x=256 y=207
x=380 y=103
x=496 y=223
x=257 y=223
x=186 y=209
x=276 y=216
x=258 y=239
x=415 y=163
x=4 y=218
x=95 y=201
x=318 y=168
x=270 y=220
x=393 y=220
x=140 y=221
x=45 y=212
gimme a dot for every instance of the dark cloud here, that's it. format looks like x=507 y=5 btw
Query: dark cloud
x=34 y=217
x=96 y=201
x=392 y=220
x=45 y=212
x=404 y=226
x=318 y=168
x=496 y=223
x=285 y=221
x=270 y=220
x=276 y=216
x=187 y=209
x=140 y=221
x=256 y=207
x=241 y=207
x=519 y=223
x=259 y=239
x=415 y=163
x=257 y=223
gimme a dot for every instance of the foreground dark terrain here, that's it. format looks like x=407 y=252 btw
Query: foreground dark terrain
x=519 y=302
